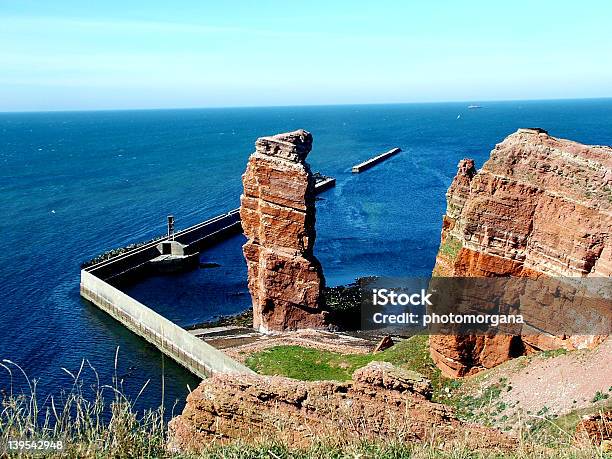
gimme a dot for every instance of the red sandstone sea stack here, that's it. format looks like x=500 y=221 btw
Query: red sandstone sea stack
x=540 y=206
x=278 y=218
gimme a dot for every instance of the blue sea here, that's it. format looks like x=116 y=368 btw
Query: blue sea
x=74 y=184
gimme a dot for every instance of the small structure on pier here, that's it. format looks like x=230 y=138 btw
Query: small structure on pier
x=323 y=182
x=174 y=256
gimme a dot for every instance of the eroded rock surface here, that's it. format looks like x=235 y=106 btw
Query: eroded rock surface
x=540 y=206
x=381 y=402
x=278 y=218
x=597 y=428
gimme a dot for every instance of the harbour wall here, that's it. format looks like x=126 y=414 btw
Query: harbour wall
x=196 y=238
x=374 y=161
x=134 y=263
x=194 y=354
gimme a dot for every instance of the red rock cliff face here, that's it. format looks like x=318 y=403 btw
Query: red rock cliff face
x=380 y=403
x=278 y=219
x=540 y=206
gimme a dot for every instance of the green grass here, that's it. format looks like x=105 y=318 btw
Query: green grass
x=482 y=408
x=552 y=353
x=306 y=364
x=599 y=396
x=545 y=430
x=451 y=247
x=312 y=364
x=95 y=421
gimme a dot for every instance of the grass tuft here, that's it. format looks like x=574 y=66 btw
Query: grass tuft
x=95 y=421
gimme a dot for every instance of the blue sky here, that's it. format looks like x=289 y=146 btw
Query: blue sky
x=63 y=54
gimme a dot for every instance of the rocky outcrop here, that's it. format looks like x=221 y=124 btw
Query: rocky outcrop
x=540 y=206
x=385 y=343
x=380 y=403
x=597 y=428
x=278 y=218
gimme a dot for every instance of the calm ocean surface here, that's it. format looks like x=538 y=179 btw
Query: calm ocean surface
x=74 y=184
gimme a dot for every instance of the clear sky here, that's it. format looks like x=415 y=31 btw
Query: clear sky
x=75 y=54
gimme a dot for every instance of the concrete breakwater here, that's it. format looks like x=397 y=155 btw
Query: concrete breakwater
x=196 y=238
x=374 y=161
x=194 y=354
x=323 y=183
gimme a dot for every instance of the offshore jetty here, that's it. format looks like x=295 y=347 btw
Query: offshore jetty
x=375 y=160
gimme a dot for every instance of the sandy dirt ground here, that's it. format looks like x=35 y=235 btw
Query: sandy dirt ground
x=542 y=385
x=240 y=342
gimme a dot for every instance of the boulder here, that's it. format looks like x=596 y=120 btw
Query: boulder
x=385 y=343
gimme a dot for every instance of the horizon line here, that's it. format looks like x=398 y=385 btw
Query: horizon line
x=469 y=101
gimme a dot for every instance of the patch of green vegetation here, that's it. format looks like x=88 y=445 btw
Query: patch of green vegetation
x=397 y=450
x=548 y=428
x=552 y=353
x=542 y=411
x=482 y=407
x=313 y=364
x=305 y=363
x=599 y=395
x=451 y=247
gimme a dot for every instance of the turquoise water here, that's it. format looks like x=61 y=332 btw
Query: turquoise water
x=74 y=184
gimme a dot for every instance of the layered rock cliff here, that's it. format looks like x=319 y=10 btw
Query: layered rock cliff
x=540 y=206
x=381 y=402
x=278 y=218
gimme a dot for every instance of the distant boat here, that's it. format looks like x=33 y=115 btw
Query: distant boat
x=458 y=116
x=471 y=107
